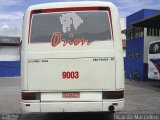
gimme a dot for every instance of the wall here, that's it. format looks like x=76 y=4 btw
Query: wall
x=144 y=13
x=149 y=13
x=123 y=27
x=134 y=17
x=134 y=45
x=123 y=36
x=9 y=68
x=134 y=63
x=9 y=61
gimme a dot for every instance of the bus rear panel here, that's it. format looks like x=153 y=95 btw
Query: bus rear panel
x=72 y=59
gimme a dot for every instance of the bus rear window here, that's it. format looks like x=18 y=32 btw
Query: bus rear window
x=90 y=25
x=154 y=48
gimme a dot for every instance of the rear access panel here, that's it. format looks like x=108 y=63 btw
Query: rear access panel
x=71 y=74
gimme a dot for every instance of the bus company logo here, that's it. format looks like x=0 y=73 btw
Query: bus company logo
x=69 y=19
x=57 y=39
x=156 y=48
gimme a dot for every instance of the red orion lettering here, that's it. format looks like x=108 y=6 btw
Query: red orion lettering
x=57 y=39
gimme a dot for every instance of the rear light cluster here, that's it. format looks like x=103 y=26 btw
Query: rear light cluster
x=30 y=96
x=113 y=94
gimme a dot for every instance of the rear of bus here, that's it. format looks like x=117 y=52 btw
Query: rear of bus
x=154 y=60
x=72 y=58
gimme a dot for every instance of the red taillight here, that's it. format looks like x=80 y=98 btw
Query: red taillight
x=30 y=96
x=113 y=94
x=27 y=105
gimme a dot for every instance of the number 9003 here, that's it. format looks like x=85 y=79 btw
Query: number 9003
x=70 y=75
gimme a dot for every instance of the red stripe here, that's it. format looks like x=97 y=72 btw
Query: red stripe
x=110 y=16
x=30 y=20
x=69 y=9
x=64 y=10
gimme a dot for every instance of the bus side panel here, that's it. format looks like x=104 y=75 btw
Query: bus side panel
x=154 y=60
x=118 y=48
x=153 y=67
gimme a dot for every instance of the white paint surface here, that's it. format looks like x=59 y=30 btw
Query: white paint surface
x=147 y=40
x=94 y=75
x=9 y=53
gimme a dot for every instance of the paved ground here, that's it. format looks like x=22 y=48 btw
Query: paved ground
x=9 y=95
x=141 y=98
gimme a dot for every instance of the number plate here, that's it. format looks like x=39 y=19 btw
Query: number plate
x=71 y=94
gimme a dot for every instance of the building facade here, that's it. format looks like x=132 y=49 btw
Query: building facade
x=137 y=44
x=123 y=36
x=9 y=56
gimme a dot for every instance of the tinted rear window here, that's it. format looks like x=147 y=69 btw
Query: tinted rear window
x=90 y=25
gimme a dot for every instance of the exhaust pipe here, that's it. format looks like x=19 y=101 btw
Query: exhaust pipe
x=111 y=108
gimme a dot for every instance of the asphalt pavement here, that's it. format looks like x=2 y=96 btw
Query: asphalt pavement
x=140 y=98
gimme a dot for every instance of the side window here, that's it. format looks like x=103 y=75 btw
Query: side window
x=153 y=31
x=129 y=35
x=136 y=33
x=139 y=33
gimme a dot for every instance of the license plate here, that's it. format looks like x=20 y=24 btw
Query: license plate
x=71 y=94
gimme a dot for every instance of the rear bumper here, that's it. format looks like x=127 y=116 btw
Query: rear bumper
x=72 y=106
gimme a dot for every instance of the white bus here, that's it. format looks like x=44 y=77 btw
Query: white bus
x=72 y=58
x=154 y=60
